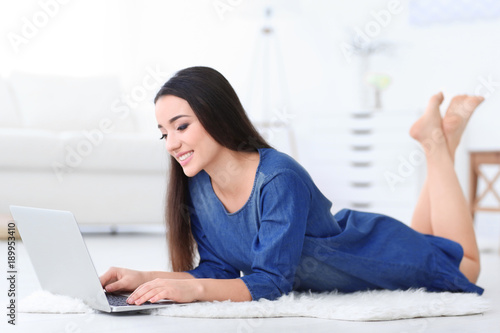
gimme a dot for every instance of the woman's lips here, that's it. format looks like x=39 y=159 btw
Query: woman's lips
x=184 y=158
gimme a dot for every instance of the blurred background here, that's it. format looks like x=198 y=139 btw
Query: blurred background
x=335 y=84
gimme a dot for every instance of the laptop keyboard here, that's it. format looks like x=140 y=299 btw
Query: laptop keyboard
x=119 y=300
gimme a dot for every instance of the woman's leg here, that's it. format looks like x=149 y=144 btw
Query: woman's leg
x=454 y=122
x=450 y=217
x=421 y=219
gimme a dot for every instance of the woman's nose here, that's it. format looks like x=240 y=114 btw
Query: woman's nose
x=172 y=143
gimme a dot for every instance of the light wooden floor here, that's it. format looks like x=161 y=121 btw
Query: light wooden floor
x=147 y=252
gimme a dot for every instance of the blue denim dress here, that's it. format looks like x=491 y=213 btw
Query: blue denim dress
x=285 y=238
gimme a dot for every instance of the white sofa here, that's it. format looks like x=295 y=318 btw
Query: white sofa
x=76 y=144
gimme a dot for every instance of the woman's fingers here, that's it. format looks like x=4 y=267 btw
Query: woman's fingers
x=151 y=295
x=122 y=279
x=115 y=286
x=150 y=291
x=181 y=291
x=138 y=294
x=108 y=277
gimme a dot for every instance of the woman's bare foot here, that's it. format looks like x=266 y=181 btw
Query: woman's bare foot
x=428 y=128
x=456 y=118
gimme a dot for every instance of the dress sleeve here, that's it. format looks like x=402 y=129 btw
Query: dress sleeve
x=210 y=266
x=277 y=248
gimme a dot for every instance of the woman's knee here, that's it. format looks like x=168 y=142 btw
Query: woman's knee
x=470 y=268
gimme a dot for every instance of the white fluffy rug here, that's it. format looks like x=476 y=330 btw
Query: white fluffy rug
x=360 y=306
x=45 y=302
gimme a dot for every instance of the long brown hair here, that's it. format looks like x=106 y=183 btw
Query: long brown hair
x=219 y=110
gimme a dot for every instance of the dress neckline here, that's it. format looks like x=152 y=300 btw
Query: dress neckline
x=251 y=193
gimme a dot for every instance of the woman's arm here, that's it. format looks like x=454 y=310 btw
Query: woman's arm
x=123 y=279
x=191 y=290
x=223 y=290
x=169 y=275
x=180 y=287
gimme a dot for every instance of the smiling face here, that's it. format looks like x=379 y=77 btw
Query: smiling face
x=186 y=139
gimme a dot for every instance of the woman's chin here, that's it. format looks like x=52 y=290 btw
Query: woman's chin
x=189 y=172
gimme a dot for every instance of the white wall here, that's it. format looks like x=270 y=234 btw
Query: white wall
x=126 y=37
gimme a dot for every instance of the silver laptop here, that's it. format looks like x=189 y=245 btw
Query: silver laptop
x=62 y=262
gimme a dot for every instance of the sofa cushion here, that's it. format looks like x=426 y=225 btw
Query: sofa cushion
x=69 y=103
x=9 y=116
x=113 y=152
x=29 y=148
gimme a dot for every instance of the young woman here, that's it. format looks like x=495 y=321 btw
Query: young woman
x=247 y=208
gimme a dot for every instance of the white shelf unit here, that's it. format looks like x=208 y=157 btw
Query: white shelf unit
x=365 y=160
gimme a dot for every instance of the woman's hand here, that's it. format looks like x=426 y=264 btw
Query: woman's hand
x=180 y=291
x=123 y=279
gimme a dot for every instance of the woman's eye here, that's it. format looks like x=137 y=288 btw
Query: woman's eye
x=182 y=127
x=164 y=136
